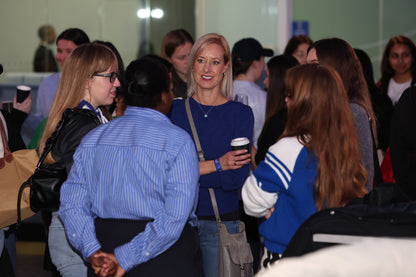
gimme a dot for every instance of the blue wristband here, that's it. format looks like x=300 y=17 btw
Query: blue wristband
x=217 y=165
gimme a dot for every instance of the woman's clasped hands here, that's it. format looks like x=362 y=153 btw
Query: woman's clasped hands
x=105 y=264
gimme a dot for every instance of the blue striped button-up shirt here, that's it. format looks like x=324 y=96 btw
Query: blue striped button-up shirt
x=139 y=166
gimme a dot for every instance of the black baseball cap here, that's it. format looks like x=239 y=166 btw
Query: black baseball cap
x=249 y=49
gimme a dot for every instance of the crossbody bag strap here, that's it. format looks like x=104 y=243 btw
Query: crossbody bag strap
x=202 y=158
x=51 y=141
x=194 y=132
x=215 y=206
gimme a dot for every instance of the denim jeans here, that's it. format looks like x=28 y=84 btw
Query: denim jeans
x=68 y=262
x=208 y=237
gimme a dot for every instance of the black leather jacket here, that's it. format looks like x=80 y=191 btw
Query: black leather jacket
x=80 y=122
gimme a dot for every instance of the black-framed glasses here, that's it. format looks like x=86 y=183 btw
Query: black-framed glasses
x=112 y=76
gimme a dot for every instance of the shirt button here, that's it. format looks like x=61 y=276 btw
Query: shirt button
x=73 y=235
x=147 y=254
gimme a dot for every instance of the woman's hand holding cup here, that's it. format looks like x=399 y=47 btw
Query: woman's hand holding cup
x=237 y=158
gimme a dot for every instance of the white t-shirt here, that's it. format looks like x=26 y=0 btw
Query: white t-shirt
x=395 y=90
x=257 y=102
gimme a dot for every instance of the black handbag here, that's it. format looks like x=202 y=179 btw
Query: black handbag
x=45 y=183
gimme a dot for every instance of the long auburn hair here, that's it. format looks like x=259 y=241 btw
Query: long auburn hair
x=226 y=86
x=85 y=61
x=387 y=71
x=318 y=117
x=338 y=54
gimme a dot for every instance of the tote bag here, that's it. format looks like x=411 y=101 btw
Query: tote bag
x=15 y=168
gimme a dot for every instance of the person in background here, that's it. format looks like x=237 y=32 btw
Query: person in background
x=382 y=105
x=403 y=143
x=44 y=60
x=12 y=123
x=248 y=65
x=309 y=168
x=89 y=80
x=272 y=129
x=276 y=111
x=66 y=42
x=218 y=120
x=398 y=67
x=176 y=46
x=338 y=54
x=298 y=47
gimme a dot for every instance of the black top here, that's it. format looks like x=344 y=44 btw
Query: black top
x=80 y=122
x=14 y=123
x=179 y=86
x=403 y=142
x=44 y=60
x=272 y=130
x=383 y=111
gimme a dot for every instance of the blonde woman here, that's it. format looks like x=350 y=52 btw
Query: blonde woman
x=218 y=120
x=89 y=80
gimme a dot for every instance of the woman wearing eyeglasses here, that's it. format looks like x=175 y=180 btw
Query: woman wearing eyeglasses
x=89 y=79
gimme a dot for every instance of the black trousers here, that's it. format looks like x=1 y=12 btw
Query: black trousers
x=183 y=258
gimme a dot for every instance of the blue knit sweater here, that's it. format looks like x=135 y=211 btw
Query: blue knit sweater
x=215 y=132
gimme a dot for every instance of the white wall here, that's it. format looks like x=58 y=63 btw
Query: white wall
x=115 y=21
x=365 y=24
x=237 y=19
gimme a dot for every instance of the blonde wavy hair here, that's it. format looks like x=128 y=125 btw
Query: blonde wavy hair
x=226 y=85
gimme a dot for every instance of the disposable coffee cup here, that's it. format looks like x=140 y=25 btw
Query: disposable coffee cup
x=240 y=143
x=22 y=93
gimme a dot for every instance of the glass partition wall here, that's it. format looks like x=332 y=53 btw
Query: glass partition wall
x=135 y=27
